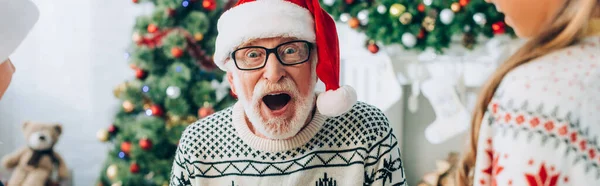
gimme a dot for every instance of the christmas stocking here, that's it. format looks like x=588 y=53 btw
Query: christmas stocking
x=452 y=117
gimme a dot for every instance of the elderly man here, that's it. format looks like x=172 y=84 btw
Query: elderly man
x=280 y=132
x=17 y=17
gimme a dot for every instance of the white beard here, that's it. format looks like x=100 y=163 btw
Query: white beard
x=278 y=127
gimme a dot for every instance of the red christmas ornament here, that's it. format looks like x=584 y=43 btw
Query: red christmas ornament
x=373 y=48
x=134 y=168
x=349 y=1
x=463 y=2
x=126 y=147
x=140 y=74
x=499 y=27
x=145 y=144
x=156 y=110
x=136 y=1
x=112 y=129
x=152 y=28
x=205 y=111
x=171 y=12
x=354 y=23
x=209 y=5
x=421 y=34
x=421 y=7
x=176 y=52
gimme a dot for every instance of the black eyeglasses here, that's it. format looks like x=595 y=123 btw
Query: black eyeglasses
x=288 y=53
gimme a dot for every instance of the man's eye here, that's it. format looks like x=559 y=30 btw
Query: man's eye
x=253 y=54
x=290 y=51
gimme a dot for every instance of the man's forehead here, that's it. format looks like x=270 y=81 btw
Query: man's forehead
x=254 y=42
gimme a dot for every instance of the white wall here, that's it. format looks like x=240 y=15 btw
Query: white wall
x=66 y=70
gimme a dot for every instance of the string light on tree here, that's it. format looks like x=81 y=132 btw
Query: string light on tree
x=397 y=9
x=446 y=16
x=112 y=171
x=363 y=17
x=479 y=18
x=128 y=106
x=122 y=155
x=455 y=7
x=344 y=17
x=329 y=2
x=185 y=3
x=409 y=40
x=173 y=92
x=382 y=9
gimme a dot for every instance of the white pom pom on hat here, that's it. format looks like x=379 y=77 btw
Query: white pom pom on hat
x=302 y=19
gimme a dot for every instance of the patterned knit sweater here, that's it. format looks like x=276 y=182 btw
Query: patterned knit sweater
x=543 y=125
x=357 y=148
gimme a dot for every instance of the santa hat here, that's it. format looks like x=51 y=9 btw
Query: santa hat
x=302 y=19
x=17 y=17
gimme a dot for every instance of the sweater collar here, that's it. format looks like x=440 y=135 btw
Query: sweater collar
x=270 y=145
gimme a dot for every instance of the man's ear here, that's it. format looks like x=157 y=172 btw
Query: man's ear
x=58 y=128
x=230 y=80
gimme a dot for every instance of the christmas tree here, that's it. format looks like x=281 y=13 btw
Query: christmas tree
x=176 y=83
x=419 y=24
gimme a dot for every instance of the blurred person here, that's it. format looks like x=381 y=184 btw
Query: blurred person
x=17 y=18
x=537 y=119
x=280 y=132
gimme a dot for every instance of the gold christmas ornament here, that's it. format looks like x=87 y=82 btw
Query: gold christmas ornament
x=191 y=119
x=119 y=89
x=102 y=135
x=429 y=24
x=198 y=36
x=111 y=171
x=406 y=18
x=117 y=184
x=397 y=9
x=128 y=106
x=455 y=7
x=166 y=184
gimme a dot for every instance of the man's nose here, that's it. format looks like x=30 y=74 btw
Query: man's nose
x=274 y=70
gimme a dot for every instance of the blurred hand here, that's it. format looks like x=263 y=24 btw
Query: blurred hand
x=6 y=71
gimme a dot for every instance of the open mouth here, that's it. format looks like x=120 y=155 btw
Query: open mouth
x=276 y=101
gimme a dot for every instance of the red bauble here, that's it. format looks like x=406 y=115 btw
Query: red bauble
x=112 y=129
x=209 y=5
x=140 y=74
x=354 y=23
x=152 y=28
x=373 y=48
x=136 y=1
x=499 y=27
x=421 y=34
x=463 y=2
x=349 y=1
x=156 y=110
x=145 y=144
x=176 y=52
x=171 y=12
x=205 y=111
x=421 y=7
x=134 y=168
x=126 y=147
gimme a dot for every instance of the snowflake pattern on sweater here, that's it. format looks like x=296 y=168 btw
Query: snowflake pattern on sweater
x=357 y=148
x=543 y=124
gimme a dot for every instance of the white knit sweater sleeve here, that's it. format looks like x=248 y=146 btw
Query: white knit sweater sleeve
x=543 y=124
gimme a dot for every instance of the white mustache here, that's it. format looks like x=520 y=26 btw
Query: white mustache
x=264 y=88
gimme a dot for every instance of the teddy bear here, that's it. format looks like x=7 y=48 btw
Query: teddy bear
x=33 y=164
x=444 y=174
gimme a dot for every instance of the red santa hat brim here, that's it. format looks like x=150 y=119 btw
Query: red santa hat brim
x=261 y=19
